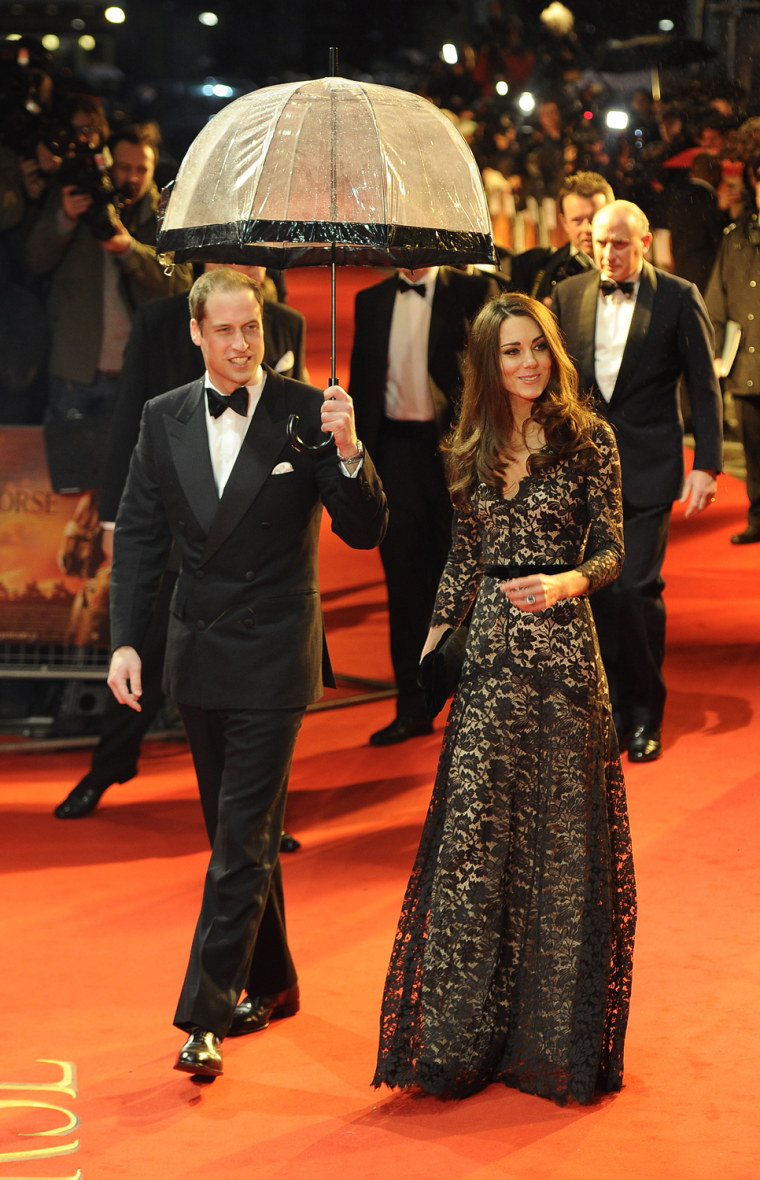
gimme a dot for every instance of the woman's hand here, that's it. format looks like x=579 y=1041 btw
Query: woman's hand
x=434 y=634
x=538 y=591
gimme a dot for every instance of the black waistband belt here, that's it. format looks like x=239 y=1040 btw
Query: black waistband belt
x=513 y=570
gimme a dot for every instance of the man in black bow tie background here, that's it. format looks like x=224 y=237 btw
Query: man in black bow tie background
x=410 y=334
x=631 y=344
x=245 y=651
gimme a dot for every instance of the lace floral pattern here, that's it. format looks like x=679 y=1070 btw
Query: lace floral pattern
x=512 y=959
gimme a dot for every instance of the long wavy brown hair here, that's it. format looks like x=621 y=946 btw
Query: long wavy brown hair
x=477 y=449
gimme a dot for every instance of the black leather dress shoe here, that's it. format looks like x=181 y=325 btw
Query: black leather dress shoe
x=400 y=731
x=750 y=536
x=201 y=1054
x=254 y=1013
x=83 y=799
x=288 y=843
x=645 y=744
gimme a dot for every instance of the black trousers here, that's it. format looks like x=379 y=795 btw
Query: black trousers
x=415 y=547
x=748 y=413
x=630 y=620
x=242 y=760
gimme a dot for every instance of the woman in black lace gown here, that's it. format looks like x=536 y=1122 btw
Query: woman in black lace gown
x=512 y=958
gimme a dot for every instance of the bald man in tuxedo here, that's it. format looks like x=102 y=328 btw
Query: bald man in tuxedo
x=633 y=332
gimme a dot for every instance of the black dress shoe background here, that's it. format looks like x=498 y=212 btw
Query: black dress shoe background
x=645 y=744
x=254 y=1013
x=288 y=842
x=201 y=1054
x=83 y=799
x=401 y=730
x=750 y=536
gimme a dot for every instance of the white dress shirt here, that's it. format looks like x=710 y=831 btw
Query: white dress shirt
x=613 y=323
x=226 y=433
x=407 y=385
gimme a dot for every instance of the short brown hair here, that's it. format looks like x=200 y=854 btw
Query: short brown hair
x=584 y=184
x=222 y=278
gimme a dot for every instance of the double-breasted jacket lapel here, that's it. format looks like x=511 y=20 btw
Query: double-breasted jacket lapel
x=265 y=438
x=188 y=444
x=587 y=327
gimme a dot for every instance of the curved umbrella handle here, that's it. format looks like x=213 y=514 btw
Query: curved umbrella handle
x=299 y=445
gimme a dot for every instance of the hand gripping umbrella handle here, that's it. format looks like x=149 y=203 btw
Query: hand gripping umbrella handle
x=298 y=444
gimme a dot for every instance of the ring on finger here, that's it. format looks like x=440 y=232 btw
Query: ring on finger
x=531 y=598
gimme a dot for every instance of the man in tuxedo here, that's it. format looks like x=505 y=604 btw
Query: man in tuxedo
x=160 y=355
x=634 y=331
x=213 y=473
x=537 y=271
x=410 y=334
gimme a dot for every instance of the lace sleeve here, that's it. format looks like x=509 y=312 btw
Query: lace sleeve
x=604 y=547
x=462 y=573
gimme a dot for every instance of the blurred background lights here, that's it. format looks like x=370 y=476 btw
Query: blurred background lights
x=213 y=89
x=51 y=42
x=209 y=19
x=526 y=102
x=666 y=26
x=86 y=42
x=617 y=120
x=115 y=16
x=501 y=87
x=449 y=54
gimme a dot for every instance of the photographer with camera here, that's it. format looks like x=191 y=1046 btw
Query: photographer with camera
x=96 y=240
x=28 y=162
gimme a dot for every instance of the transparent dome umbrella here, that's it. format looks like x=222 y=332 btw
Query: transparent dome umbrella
x=328 y=172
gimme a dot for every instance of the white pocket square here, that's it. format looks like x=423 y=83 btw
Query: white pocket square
x=285 y=363
x=282 y=469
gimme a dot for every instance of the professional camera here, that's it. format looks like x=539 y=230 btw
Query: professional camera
x=86 y=168
x=24 y=76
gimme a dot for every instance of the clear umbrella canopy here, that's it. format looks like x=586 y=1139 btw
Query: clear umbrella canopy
x=328 y=171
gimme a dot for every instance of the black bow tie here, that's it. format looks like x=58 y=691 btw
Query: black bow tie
x=403 y=286
x=607 y=286
x=237 y=400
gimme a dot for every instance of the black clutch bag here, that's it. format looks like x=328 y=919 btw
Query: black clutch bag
x=438 y=673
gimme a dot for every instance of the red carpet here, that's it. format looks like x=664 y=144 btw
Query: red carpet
x=97 y=916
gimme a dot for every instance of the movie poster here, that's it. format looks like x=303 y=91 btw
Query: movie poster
x=53 y=571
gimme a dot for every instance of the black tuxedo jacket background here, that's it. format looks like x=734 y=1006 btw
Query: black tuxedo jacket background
x=159 y=356
x=457 y=299
x=245 y=628
x=670 y=336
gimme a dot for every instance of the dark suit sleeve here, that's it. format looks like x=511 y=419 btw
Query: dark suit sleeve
x=357 y=506
x=695 y=335
x=142 y=541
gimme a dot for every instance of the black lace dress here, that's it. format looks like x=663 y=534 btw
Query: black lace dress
x=512 y=958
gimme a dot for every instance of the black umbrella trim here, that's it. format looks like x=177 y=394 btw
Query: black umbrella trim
x=283 y=244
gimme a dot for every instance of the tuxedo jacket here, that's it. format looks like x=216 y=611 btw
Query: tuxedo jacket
x=245 y=626
x=537 y=271
x=160 y=355
x=457 y=299
x=670 y=337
